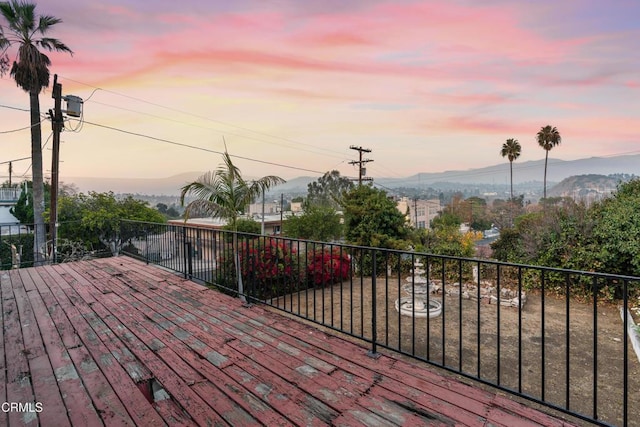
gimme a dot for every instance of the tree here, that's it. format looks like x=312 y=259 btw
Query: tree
x=616 y=231
x=245 y=225
x=169 y=212
x=372 y=219
x=547 y=137
x=94 y=218
x=320 y=223
x=328 y=190
x=225 y=194
x=30 y=70
x=23 y=209
x=511 y=149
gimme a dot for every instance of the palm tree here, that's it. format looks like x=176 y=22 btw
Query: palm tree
x=30 y=70
x=225 y=194
x=511 y=149
x=548 y=137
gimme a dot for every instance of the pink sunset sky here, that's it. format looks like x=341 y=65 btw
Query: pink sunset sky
x=428 y=86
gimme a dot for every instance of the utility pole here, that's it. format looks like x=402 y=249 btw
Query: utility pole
x=74 y=109
x=361 y=169
x=10 y=172
x=57 y=124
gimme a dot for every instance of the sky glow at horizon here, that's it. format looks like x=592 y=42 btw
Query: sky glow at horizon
x=428 y=86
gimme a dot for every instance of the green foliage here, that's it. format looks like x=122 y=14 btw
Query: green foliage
x=23 y=209
x=170 y=212
x=328 y=190
x=224 y=193
x=94 y=218
x=446 y=220
x=616 y=233
x=320 y=223
x=372 y=219
x=507 y=247
x=24 y=246
x=602 y=238
x=245 y=225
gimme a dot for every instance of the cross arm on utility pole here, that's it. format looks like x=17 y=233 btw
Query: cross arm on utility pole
x=360 y=163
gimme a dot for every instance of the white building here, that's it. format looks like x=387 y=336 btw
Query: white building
x=420 y=213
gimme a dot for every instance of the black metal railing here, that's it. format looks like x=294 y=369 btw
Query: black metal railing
x=72 y=244
x=16 y=246
x=552 y=336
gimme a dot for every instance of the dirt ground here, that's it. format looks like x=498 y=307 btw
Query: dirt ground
x=452 y=340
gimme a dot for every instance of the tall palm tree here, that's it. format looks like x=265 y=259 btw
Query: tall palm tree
x=30 y=70
x=511 y=149
x=225 y=194
x=547 y=137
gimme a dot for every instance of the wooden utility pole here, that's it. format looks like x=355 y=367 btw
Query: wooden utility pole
x=57 y=124
x=361 y=169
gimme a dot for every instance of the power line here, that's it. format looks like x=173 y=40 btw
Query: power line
x=21 y=129
x=200 y=148
x=15 y=160
x=244 y=128
x=215 y=130
x=14 y=108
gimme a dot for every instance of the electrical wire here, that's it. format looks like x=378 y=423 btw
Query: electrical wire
x=244 y=128
x=239 y=135
x=21 y=129
x=201 y=148
x=444 y=175
x=15 y=160
x=14 y=108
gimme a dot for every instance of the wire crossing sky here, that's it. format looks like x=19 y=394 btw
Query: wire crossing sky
x=428 y=86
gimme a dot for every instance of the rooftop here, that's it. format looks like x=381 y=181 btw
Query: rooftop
x=119 y=342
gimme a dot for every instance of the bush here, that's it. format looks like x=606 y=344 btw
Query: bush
x=23 y=243
x=328 y=266
x=269 y=268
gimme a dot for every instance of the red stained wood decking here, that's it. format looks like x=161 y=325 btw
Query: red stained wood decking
x=118 y=342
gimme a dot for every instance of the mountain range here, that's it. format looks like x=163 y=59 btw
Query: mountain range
x=498 y=174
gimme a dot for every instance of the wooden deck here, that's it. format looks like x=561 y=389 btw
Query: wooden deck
x=117 y=342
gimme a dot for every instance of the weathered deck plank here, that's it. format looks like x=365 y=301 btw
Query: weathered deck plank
x=118 y=342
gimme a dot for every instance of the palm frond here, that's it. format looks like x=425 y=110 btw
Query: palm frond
x=53 y=45
x=46 y=22
x=548 y=137
x=263 y=184
x=224 y=192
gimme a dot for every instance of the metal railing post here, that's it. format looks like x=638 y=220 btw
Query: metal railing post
x=188 y=274
x=185 y=249
x=146 y=245
x=374 y=324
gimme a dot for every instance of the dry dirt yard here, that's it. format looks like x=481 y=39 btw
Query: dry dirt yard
x=452 y=340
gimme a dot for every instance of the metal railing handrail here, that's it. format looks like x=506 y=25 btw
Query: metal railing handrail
x=468 y=338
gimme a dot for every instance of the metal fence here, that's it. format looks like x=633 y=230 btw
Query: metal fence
x=541 y=333
x=16 y=246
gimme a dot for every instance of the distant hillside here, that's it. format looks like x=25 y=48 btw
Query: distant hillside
x=591 y=186
x=523 y=172
x=159 y=186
